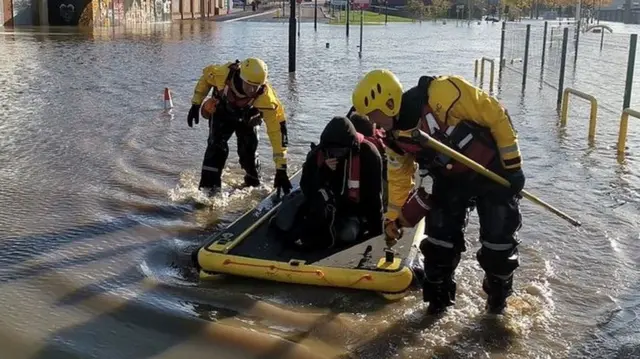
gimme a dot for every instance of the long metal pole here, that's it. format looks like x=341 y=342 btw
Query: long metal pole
x=315 y=16
x=427 y=141
x=361 y=25
x=544 y=44
x=299 y=17
x=526 y=58
x=575 y=56
x=348 y=6
x=386 y=11
x=504 y=24
x=630 y=65
x=563 y=62
x=292 y=36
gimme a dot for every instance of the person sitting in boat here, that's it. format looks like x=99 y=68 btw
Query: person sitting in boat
x=342 y=181
x=342 y=187
x=376 y=136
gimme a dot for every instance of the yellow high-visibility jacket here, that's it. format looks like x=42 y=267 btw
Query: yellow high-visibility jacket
x=215 y=76
x=453 y=100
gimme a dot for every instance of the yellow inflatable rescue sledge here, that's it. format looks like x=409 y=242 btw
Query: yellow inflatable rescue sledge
x=249 y=248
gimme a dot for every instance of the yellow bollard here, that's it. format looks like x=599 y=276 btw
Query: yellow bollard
x=593 y=113
x=492 y=71
x=624 y=124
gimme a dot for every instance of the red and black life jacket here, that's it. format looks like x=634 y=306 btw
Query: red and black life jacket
x=353 y=181
x=378 y=140
x=468 y=138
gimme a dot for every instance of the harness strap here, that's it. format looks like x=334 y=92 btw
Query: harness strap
x=353 y=180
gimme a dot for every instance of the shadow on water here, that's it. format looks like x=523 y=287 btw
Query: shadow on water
x=149 y=331
x=342 y=300
x=404 y=332
x=23 y=273
x=488 y=334
x=26 y=247
x=165 y=328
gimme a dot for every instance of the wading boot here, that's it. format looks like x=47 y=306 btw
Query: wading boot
x=251 y=181
x=498 y=290
x=440 y=293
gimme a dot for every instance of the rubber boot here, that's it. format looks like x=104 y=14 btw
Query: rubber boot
x=252 y=174
x=210 y=183
x=498 y=290
x=251 y=181
x=440 y=293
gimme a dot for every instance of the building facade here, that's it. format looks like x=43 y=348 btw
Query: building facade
x=627 y=11
x=105 y=12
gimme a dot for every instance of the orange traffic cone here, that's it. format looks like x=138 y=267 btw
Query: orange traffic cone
x=168 y=102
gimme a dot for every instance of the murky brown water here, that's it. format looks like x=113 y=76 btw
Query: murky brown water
x=97 y=222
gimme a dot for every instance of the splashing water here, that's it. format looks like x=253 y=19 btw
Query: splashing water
x=232 y=198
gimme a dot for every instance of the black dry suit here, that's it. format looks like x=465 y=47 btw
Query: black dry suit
x=331 y=215
x=452 y=197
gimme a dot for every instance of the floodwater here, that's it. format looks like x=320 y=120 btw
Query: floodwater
x=97 y=219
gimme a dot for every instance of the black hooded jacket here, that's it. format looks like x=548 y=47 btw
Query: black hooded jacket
x=340 y=132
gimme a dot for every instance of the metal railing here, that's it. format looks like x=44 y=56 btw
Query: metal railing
x=593 y=113
x=491 y=75
x=624 y=124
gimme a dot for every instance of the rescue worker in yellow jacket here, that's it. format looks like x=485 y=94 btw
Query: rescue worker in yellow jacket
x=465 y=118
x=242 y=98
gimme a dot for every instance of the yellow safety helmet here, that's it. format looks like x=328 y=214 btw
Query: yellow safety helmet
x=375 y=90
x=254 y=71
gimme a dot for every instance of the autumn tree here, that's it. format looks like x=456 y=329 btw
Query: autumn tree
x=416 y=8
x=594 y=4
x=517 y=4
x=439 y=8
x=585 y=4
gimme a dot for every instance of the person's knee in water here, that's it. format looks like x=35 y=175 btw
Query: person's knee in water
x=241 y=99
x=342 y=178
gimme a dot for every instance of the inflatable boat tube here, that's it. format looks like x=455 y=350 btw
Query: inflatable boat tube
x=249 y=248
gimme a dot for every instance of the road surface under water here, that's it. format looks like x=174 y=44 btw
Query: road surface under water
x=97 y=218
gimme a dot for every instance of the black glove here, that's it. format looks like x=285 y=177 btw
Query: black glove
x=281 y=181
x=253 y=117
x=516 y=180
x=194 y=115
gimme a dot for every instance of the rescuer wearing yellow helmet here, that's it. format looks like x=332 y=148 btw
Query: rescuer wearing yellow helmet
x=241 y=98
x=465 y=118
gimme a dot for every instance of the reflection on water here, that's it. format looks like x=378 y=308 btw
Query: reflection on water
x=98 y=187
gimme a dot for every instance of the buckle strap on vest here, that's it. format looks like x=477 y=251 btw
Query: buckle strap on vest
x=233 y=69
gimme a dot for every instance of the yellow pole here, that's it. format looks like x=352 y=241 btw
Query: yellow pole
x=593 y=114
x=622 y=135
x=565 y=107
x=592 y=120
x=426 y=140
x=624 y=123
x=491 y=76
